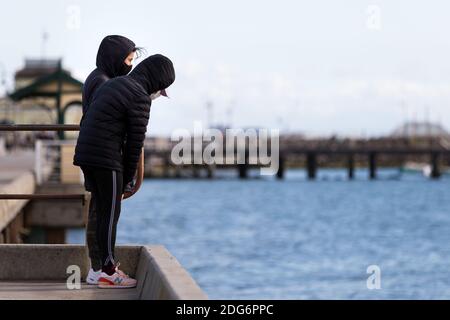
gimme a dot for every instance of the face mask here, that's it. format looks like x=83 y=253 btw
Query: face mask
x=125 y=69
x=155 y=95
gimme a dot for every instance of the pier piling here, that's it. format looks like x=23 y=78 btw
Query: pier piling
x=311 y=165
x=372 y=165
x=280 y=171
x=243 y=167
x=351 y=167
x=435 y=172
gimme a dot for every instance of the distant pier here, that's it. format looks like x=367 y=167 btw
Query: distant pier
x=309 y=158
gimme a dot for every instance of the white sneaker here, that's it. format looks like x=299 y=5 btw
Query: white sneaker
x=116 y=281
x=93 y=276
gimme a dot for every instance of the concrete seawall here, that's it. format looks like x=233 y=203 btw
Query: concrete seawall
x=40 y=272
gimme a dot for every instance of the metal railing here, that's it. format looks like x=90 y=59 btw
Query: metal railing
x=42 y=127
x=39 y=127
x=43 y=196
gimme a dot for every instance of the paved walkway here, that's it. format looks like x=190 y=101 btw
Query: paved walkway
x=14 y=164
x=48 y=290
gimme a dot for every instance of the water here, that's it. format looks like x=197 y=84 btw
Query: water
x=298 y=239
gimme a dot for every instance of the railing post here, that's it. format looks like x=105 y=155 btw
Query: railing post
x=38 y=161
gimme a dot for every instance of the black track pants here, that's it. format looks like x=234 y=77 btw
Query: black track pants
x=106 y=188
x=91 y=235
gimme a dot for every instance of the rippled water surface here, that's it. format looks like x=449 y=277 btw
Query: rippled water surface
x=298 y=239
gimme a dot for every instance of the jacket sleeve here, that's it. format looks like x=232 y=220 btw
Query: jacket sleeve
x=137 y=116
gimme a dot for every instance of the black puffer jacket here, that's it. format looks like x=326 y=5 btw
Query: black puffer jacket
x=110 y=64
x=120 y=109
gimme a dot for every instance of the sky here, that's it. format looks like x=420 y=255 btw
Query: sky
x=351 y=67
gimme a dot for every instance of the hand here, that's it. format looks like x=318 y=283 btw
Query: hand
x=127 y=194
x=133 y=186
x=129 y=190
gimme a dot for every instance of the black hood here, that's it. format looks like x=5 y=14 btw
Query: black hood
x=154 y=73
x=112 y=53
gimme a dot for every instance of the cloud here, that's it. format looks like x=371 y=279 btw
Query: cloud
x=322 y=102
x=398 y=88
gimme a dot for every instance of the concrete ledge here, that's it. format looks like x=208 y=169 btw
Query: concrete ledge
x=57 y=213
x=50 y=262
x=39 y=272
x=164 y=277
x=23 y=183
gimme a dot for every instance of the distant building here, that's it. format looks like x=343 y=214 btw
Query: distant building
x=44 y=93
x=420 y=130
x=33 y=69
x=158 y=143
